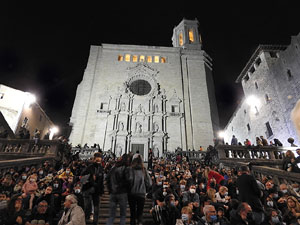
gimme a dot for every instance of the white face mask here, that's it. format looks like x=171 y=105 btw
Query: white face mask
x=182 y=186
x=202 y=186
x=193 y=191
x=296 y=189
x=270 y=203
x=165 y=193
x=77 y=191
x=165 y=186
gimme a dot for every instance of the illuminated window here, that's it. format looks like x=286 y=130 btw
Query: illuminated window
x=149 y=59
x=134 y=58
x=127 y=57
x=120 y=58
x=162 y=59
x=156 y=59
x=142 y=58
x=191 y=36
x=180 y=39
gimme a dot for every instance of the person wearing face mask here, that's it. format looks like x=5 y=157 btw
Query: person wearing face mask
x=242 y=215
x=78 y=193
x=57 y=191
x=210 y=216
x=169 y=212
x=272 y=218
x=222 y=195
x=186 y=217
x=30 y=185
x=191 y=197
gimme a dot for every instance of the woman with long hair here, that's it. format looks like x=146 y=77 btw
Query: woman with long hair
x=293 y=211
x=140 y=181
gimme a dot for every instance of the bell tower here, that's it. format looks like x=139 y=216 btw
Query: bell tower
x=186 y=35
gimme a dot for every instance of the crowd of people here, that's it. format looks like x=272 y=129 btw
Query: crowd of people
x=182 y=193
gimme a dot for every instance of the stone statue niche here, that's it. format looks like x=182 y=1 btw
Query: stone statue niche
x=155 y=127
x=123 y=106
x=121 y=126
x=138 y=127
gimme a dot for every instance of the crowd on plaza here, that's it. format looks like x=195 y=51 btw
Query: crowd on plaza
x=182 y=193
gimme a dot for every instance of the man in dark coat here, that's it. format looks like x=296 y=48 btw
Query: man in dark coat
x=250 y=192
x=117 y=183
x=94 y=188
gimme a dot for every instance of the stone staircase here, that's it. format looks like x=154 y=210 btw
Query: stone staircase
x=104 y=211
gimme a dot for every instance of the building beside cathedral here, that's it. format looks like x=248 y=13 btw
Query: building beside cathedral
x=135 y=97
x=271 y=84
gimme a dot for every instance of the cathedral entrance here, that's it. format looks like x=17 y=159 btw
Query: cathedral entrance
x=138 y=147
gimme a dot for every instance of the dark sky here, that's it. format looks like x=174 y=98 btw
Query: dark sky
x=44 y=48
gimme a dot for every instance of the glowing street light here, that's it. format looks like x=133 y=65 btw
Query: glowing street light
x=221 y=134
x=253 y=102
x=29 y=100
x=53 y=130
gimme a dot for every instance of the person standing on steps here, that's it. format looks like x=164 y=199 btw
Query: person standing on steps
x=117 y=183
x=140 y=182
x=94 y=187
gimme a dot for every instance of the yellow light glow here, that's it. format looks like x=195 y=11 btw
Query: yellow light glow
x=191 y=35
x=127 y=57
x=156 y=59
x=162 y=59
x=134 y=58
x=53 y=131
x=120 y=58
x=149 y=59
x=180 y=39
x=142 y=58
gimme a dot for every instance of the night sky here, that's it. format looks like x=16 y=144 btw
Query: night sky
x=44 y=48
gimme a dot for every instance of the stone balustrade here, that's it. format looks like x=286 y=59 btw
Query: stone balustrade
x=264 y=160
x=268 y=154
x=21 y=152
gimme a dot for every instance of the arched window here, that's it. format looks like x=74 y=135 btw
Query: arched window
x=191 y=35
x=180 y=39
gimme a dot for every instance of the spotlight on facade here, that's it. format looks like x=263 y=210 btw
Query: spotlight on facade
x=29 y=99
x=53 y=131
x=253 y=102
x=221 y=134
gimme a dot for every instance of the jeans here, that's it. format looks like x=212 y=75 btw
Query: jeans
x=88 y=199
x=136 y=204
x=113 y=201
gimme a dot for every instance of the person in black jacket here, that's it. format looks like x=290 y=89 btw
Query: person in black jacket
x=250 y=192
x=117 y=184
x=139 y=181
x=94 y=188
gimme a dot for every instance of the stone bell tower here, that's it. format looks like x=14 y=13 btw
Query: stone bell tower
x=186 y=35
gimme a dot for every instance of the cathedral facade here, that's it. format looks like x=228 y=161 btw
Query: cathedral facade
x=136 y=97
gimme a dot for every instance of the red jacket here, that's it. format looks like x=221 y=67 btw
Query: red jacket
x=213 y=174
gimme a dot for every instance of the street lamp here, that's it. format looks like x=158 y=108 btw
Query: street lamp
x=53 y=130
x=253 y=102
x=29 y=99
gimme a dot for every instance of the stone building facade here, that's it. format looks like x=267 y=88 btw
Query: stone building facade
x=271 y=84
x=136 y=97
x=19 y=110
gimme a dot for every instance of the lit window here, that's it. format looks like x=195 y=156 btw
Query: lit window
x=156 y=59
x=149 y=59
x=142 y=58
x=120 y=58
x=134 y=58
x=180 y=39
x=127 y=57
x=191 y=36
x=162 y=59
